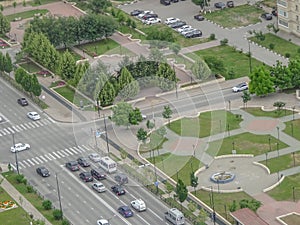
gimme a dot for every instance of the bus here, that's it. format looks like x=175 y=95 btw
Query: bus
x=108 y=164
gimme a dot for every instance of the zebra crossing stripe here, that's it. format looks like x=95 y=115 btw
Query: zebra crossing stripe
x=68 y=151
x=56 y=155
x=71 y=149
x=30 y=162
x=46 y=122
x=21 y=164
x=79 y=150
x=21 y=125
x=32 y=125
x=64 y=152
x=43 y=158
x=62 y=155
x=28 y=127
x=38 y=159
x=1 y=135
x=15 y=128
x=84 y=147
x=39 y=123
x=48 y=157
x=5 y=131
x=35 y=161
x=11 y=130
x=27 y=164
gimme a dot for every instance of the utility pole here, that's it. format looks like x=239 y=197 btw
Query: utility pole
x=106 y=135
x=16 y=153
x=58 y=193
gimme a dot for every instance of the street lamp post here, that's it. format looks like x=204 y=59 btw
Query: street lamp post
x=277 y=145
x=270 y=148
x=229 y=105
x=16 y=153
x=293 y=112
x=294 y=194
x=292 y=128
x=250 y=59
x=58 y=193
x=106 y=135
x=213 y=205
x=277 y=133
x=266 y=158
x=228 y=130
x=233 y=146
x=194 y=148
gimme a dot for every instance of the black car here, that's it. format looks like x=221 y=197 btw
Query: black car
x=43 y=171
x=118 y=189
x=72 y=165
x=193 y=34
x=177 y=24
x=165 y=2
x=230 y=4
x=148 y=16
x=125 y=211
x=97 y=174
x=22 y=101
x=220 y=5
x=199 y=17
x=174 y=1
x=83 y=162
x=266 y=16
x=86 y=176
x=136 y=12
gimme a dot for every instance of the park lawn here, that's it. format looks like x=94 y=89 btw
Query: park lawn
x=41 y=2
x=74 y=54
x=156 y=142
x=282 y=162
x=121 y=51
x=245 y=143
x=26 y=14
x=206 y=124
x=281 y=46
x=98 y=47
x=238 y=16
x=30 y=67
x=284 y=191
x=177 y=166
x=134 y=34
x=292 y=128
x=222 y=201
x=232 y=59
x=13 y=216
x=257 y=111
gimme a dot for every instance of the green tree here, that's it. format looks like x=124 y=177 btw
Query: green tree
x=167 y=113
x=194 y=180
x=8 y=67
x=201 y=70
x=4 y=24
x=246 y=98
x=201 y=3
x=135 y=116
x=166 y=77
x=35 y=88
x=181 y=191
x=20 y=73
x=26 y=82
x=162 y=131
x=67 y=66
x=141 y=135
x=175 y=48
x=261 y=82
x=47 y=204
x=57 y=214
x=128 y=87
x=150 y=125
x=279 y=106
x=1 y=8
x=294 y=68
x=107 y=94
x=99 y=6
x=121 y=113
x=282 y=76
x=233 y=206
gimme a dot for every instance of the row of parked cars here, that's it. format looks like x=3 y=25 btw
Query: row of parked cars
x=168 y=2
x=147 y=17
x=183 y=28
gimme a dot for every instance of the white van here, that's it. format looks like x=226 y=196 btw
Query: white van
x=109 y=165
x=175 y=216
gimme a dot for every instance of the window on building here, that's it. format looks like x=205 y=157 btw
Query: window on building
x=283 y=13
x=282 y=3
x=283 y=23
x=297 y=8
x=297 y=18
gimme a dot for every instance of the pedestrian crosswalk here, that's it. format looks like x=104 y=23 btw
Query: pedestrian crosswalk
x=41 y=159
x=24 y=126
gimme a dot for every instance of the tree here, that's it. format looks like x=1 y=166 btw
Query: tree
x=194 y=180
x=282 y=76
x=35 y=88
x=47 y=204
x=107 y=94
x=4 y=24
x=19 y=75
x=67 y=66
x=8 y=67
x=279 y=106
x=261 y=82
x=201 y=70
x=201 y=3
x=150 y=125
x=167 y=113
x=162 y=131
x=294 y=68
x=156 y=55
x=175 y=48
x=233 y=206
x=141 y=135
x=135 y=116
x=121 y=112
x=99 y=6
x=57 y=214
x=181 y=191
x=246 y=98
x=166 y=77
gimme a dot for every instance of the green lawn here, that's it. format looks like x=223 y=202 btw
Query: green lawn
x=30 y=67
x=208 y=123
x=181 y=60
x=282 y=162
x=74 y=54
x=121 y=51
x=233 y=60
x=135 y=34
x=245 y=143
x=284 y=191
x=13 y=216
x=41 y=2
x=256 y=111
x=98 y=47
x=156 y=142
x=281 y=46
x=292 y=128
x=26 y=14
x=242 y=15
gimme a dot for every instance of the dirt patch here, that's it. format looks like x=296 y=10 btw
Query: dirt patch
x=262 y=125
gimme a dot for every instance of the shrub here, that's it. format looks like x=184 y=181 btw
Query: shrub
x=224 y=42
x=192 y=206
x=212 y=37
x=29 y=189
x=19 y=178
x=57 y=214
x=287 y=55
x=271 y=46
x=47 y=204
x=65 y=222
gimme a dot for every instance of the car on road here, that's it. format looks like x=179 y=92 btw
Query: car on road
x=102 y=222
x=177 y=24
x=184 y=28
x=136 y=12
x=43 y=171
x=20 y=147
x=86 y=176
x=94 y=157
x=138 y=204
x=165 y=2
x=33 y=116
x=22 y=101
x=99 y=187
x=220 y=5
x=240 y=87
x=266 y=16
x=230 y=4
x=97 y=174
x=171 y=20
x=199 y=17
x=184 y=32
x=118 y=189
x=72 y=165
x=125 y=211
x=193 y=34
x=82 y=161
x=152 y=21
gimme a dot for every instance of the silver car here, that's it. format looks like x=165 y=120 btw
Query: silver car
x=99 y=187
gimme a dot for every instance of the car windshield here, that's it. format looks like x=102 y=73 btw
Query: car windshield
x=73 y=163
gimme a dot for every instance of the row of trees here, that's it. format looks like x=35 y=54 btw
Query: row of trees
x=28 y=81
x=4 y=24
x=5 y=63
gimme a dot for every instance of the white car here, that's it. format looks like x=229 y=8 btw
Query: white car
x=187 y=31
x=138 y=205
x=240 y=87
x=171 y=20
x=144 y=13
x=99 y=187
x=33 y=116
x=95 y=157
x=152 y=21
x=102 y=222
x=184 y=28
x=144 y=117
x=19 y=147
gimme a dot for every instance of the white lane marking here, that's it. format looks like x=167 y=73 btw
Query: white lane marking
x=5 y=131
x=60 y=153
x=30 y=162
x=11 y=130
x=145 y=222
x=41 y=161
x=15 y=128
x=32 y=125
x=68 y=151
x=57 y=156
x=22 y=165
x=26 y=125
x=155 y=214
x=49 y=154
x=79 y=150
x=25 y=162
x=73 y=150
x=43 y=158
x=39 y=123
x=35 y=161
x=21 y=125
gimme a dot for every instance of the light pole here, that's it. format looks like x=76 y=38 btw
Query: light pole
x=270 y=149
x=277 y=145
x=233 y=146
x=294 y=159
x=194 y=148
x=292 y=128
x=106 y=135
x=294 y=194
x=213 y=205
x=250 y=60
x=229 y=105
x=293 y=112
x=16 y=153
x=98 y=107
x=58 y=193
x=277 y=133
x=228 y=130
x=266 y=158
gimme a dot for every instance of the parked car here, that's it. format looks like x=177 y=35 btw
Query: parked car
x=144 y=13
x=22 y=101
x=177 y=24
x=94 y=157
x=82 y=161
x=125 y=211
x=97 y=174
x=33 y=116
x=43 y=171
x=136 y=12
x=187 y=31
x=184 y=28
x=99 y=187
x=86 y=176
x=152 y=21
x=193 y=34
x=138 y=205
x=148 y=16
x=118 y=189
x=102 y=222
x=20 y=147
x=199 y=17
x=72 y=165
x=165 y=2
x=230 y=4
x=266 y=16
x=240 y=87
x=171 y=20
x=174 y=1
x=220 y=5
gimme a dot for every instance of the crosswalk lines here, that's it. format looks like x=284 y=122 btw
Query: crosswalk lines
x=25 y=126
